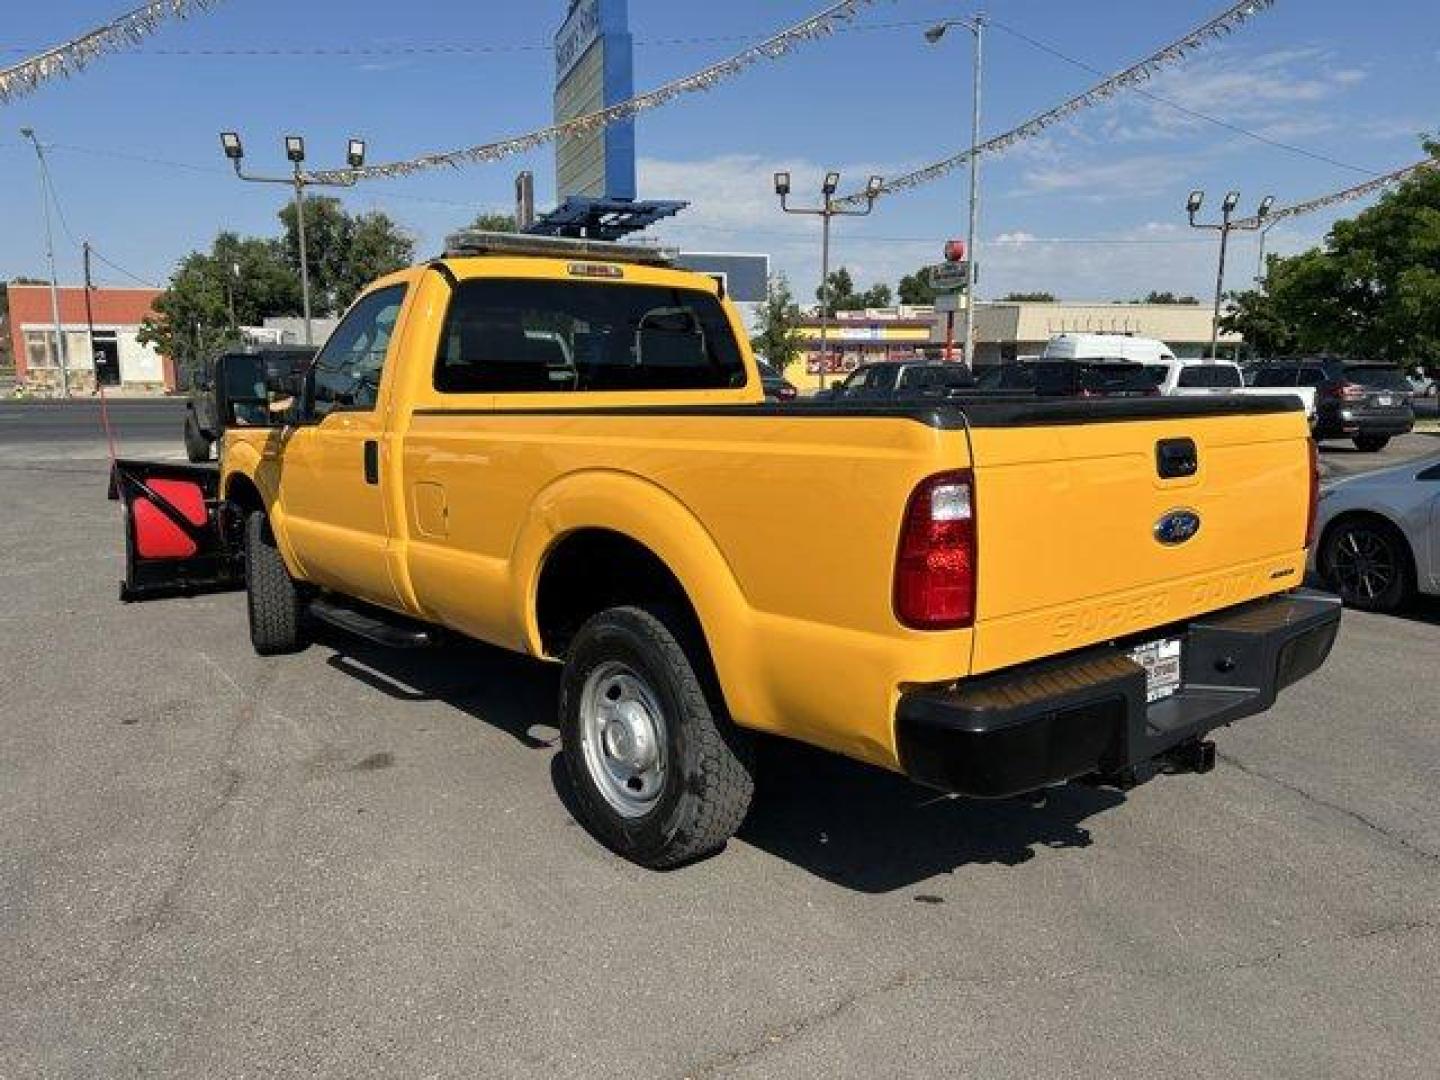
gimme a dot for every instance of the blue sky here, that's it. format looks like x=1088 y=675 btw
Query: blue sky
x=1090 y=211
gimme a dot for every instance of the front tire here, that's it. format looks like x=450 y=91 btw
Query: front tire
x=272 y=595
x=1371 y=444
x=1368 y=562
x=197 y=446
x=660 y=773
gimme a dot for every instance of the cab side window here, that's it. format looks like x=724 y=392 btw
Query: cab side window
x=348 y=370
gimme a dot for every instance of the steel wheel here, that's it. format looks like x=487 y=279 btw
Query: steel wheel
x=623 y=738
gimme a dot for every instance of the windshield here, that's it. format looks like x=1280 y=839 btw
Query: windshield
x=1377 y=376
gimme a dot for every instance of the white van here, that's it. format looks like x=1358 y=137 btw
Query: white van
x=1137 y=350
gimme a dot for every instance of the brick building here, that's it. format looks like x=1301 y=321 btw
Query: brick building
x=113 y=353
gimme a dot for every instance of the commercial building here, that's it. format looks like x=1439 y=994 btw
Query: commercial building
x=101 y=338
x=1008 y=330
x=861 y=337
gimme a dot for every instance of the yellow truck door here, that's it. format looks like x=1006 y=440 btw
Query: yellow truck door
x=333 y=477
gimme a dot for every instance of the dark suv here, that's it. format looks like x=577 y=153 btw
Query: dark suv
x=902 y=379
x=1369 y=403
x=226 y=390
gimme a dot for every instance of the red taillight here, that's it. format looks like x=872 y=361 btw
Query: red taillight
x=936 y=562
x=1345 y=391
x=1314 y=494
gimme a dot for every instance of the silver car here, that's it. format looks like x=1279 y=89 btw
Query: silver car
x=1379 y=536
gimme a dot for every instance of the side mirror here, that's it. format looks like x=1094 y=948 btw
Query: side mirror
x=285 y=390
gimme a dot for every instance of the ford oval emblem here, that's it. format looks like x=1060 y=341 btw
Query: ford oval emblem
x=1177 y=527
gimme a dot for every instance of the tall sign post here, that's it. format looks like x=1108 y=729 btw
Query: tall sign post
x=595 y=68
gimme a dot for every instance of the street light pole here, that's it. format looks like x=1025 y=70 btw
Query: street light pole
x=60 y=351
x=976 y=26
x=1224 y=227
x=299 y=180
x=1260 y=276
x=826 y=211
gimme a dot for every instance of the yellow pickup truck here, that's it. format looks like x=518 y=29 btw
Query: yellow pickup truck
x=562 y=448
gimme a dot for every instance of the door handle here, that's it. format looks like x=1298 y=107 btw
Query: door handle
x=372 y=461
x=1176 y=458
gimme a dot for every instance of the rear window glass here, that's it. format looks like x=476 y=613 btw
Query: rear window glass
x=1274 y=376
x=1210 y=376
x=513 y=336
x=1377 y=377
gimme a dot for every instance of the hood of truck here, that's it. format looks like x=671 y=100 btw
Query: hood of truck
x=1077 y=538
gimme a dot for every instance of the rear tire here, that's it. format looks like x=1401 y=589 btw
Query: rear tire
x=197 y=446
x=1368 y=562
x=273 y=596
x=660 y=773
x=1372 y=444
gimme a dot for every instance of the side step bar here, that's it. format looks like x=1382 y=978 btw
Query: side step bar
x=392 y=631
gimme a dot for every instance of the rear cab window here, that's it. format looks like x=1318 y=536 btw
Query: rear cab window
x=528 y=335
x=1210 y=377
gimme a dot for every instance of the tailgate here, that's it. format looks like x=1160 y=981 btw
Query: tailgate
x=1085 y=528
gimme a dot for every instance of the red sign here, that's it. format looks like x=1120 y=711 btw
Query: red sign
x=954 y=251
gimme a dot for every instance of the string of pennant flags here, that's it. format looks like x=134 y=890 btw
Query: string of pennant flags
x=817 y=26
x=1218 y=27
x=69 y=58
x=1335 y=198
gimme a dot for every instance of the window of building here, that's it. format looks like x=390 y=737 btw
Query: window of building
x=516 y=336
x=349 y=367
x=40 y=349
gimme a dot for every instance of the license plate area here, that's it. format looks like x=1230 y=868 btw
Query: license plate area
x=1162 y=663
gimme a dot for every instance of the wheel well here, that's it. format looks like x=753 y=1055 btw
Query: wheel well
x=1378 y=518
x=593 y=569
x=243 y=493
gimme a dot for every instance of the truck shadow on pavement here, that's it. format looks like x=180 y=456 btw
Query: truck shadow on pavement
x=851 y=824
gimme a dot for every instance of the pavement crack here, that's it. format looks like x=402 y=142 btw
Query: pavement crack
x=1345 y=811
x=775 y=1037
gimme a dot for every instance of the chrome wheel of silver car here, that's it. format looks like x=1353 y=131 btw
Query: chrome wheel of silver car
x=622 y=737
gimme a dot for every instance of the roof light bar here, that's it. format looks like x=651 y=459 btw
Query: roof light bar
x=473 y=242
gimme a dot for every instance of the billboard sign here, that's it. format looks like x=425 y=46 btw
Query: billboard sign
x=594 y=69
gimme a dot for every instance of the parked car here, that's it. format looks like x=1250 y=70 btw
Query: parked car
x=1380 y=536
x=1369 y=403
x=990 y=597
x=1137 y=350
x=1194 y=376
x=900 y=379
x=229 y=389
x=777 y=387
x=1422 y=383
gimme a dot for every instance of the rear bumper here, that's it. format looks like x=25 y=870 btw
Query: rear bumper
x=1086 y=714
x=1332 y=422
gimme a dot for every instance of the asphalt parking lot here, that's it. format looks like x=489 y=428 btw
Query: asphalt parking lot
x=354 y=863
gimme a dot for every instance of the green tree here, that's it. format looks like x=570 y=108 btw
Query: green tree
x=345 y=252
x=877 y=296
x=838 y=292
x=915 y=289
x=777 y=338
x=193 y=316
x=1154 y=297
x=1372 y=290
x=494 y=222
x=1030 y=297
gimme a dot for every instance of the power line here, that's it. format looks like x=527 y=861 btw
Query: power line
x=1194 y=114
x=467 y=48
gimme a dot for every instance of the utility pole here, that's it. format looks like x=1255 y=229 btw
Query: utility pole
x=826 y=211
x=300 y=180
x=976 y=26
x=29 y=133
x=90 y=316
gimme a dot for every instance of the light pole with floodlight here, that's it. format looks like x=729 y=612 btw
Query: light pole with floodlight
x=826 y=211
x=1224 y=227
x=976 y=26
x=60 y=354
x=295 y=152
